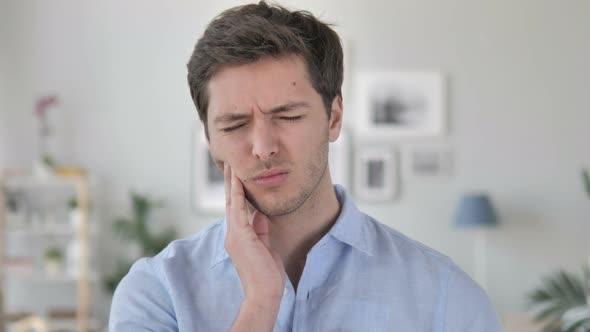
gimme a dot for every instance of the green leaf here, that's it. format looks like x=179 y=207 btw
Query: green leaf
x=558 y=293
x=586 y=282
x=125 y=229
x=554 y=326
x=577 y=319
x=135 y=229
x=49 y=161
x=54 y=253
x=157 y=243
x=111 y=282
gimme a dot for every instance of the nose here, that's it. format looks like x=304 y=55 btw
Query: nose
x=265 y=144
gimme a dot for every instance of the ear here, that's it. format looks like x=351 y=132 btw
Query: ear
x=335 y=123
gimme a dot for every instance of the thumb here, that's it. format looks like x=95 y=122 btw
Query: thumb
x=260 y=226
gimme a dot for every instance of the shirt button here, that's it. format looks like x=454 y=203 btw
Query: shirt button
x=285 y=292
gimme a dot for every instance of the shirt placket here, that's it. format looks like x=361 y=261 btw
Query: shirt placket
x=313 y=273
x=286 y=311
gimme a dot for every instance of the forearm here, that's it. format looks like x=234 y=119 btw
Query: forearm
x=256 y=316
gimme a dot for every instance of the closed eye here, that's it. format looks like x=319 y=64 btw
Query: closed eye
x=292 y=118
x=286 y=118
x=229 y=129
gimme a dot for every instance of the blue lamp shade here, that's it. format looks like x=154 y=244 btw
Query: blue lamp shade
x=475 y=209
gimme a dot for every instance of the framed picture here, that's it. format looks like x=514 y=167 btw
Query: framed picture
x=376 y=172
x=339 y=160
x=401 y=103
x=208 y=188
x=431 y=161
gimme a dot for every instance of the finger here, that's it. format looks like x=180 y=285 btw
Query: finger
x=260 y=226
x=237 y=206
x=251 y=209
x=227 y=182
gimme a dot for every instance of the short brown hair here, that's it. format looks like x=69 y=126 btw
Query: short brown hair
x=246 y=33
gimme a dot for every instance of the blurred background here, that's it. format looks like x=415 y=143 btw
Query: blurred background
x=517 y=128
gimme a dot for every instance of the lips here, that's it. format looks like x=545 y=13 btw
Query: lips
x=271 y=178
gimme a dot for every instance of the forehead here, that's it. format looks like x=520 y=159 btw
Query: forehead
x=263 y=83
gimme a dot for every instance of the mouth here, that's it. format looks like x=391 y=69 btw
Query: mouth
x=272 y=178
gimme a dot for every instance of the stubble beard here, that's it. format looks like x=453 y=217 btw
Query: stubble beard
x=282 y=204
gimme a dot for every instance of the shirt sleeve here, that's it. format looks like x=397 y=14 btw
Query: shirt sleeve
x=468 y=307
x=141 y=302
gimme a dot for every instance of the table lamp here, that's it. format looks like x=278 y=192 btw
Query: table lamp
x=475 y=211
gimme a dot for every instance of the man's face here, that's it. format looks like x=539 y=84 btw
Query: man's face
x=270 y=125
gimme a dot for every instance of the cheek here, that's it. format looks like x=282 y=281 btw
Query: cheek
x=227 y=151
x=306 y=138
x=215 y=154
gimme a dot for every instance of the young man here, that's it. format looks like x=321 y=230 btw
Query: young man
x=293 y=252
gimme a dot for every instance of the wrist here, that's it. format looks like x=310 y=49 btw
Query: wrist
x=263 y=302
x=256 y=315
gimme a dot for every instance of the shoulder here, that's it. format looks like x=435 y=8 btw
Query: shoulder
x=200 y=247
x=462 y=305
x=388 y=241
x=467 y=306
x=147 y=289
x=142 y=294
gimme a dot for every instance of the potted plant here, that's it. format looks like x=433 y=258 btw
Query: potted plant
x=54 y=258
x=75 y=215
x=563 y=299
x=136 y=232
x=44 y=166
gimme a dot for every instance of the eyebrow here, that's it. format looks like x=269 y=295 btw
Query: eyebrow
x=230 y=117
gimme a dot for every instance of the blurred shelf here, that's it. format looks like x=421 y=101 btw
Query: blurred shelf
x=44 y=230
x=43 y=277
x=32 y=182
x=72 y=325
x=63 y=324
x=23 y=271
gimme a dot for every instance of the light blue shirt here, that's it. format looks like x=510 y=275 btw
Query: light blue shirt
x=361 y=276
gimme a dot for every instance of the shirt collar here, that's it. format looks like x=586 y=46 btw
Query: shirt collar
x=220 y=254
x=351 y=228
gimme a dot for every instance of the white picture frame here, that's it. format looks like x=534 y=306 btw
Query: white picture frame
x=431 y=161
x=401 y=103
x=376 y=172
x=208 y=187
x=339 y=159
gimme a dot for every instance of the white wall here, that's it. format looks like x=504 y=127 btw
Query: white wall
x=517 y=79
x=18 y=85
x=3 y=78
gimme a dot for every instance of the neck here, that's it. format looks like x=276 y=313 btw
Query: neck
x=293 y=235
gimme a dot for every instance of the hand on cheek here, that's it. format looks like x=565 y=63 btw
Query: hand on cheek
x=247 y=241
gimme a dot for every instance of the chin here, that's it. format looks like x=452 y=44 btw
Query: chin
x=276 y=204
x=289 y=198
